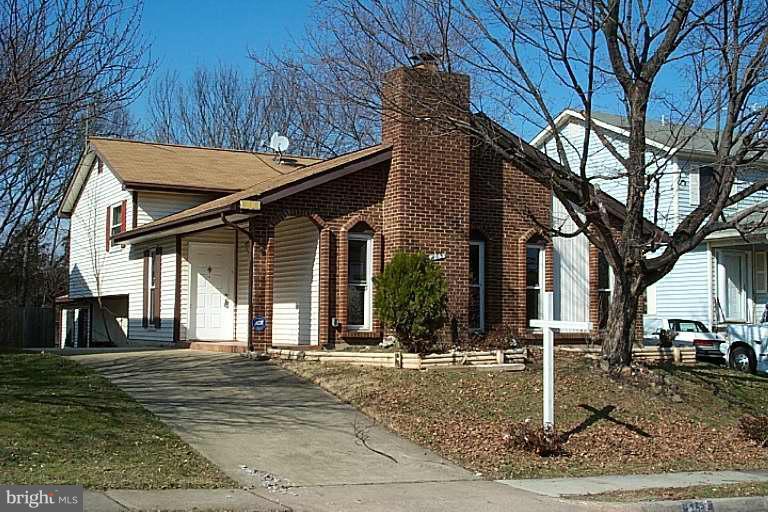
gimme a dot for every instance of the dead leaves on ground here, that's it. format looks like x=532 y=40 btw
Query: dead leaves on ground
x=611 y=428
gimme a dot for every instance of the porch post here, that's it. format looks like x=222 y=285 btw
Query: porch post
x=324 y=306
x=710 y=288
x=177 y=294
x=262 y=272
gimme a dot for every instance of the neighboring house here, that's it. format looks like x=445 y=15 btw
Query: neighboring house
x=193 y=244
x=724 y=279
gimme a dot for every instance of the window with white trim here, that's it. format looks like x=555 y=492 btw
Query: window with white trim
x=477 y=285
x=116 y=219
x=604 y=290
x=360 y=281
x=534 y=281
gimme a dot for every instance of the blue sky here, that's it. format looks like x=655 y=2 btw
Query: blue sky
x=187 y=33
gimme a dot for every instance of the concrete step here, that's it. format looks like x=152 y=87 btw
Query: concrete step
x=232 y=347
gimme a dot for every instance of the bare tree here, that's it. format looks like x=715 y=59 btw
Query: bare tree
x=66 y=66
x=532 y=59
x=224 y=108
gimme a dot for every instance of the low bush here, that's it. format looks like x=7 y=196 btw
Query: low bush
x=535 y=438
x=412 y=300
x=755 y=428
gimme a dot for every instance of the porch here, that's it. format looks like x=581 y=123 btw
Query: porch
x=271 y=280
x=737 y=280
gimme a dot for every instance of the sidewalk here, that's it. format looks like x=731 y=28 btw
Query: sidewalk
x=558 y=487
x=178 y=499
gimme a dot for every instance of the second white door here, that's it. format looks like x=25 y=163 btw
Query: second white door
x=296 y=291
x=733 y=285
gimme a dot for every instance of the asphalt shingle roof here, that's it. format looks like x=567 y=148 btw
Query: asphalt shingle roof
x=139 y=163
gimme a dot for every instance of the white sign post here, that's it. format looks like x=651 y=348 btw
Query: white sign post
x=548 y=326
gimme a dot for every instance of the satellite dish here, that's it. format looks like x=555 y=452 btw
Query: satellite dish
x=279 y=143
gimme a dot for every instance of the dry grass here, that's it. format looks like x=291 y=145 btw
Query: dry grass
x=610 y=428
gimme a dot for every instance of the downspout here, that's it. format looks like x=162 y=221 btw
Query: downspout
x=247 y=232
x=710 y=287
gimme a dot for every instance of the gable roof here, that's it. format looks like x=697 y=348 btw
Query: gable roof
x=568 y=115
x=532 y=156
x=695 y=142
x=149 y=165
x=268 y=190
x=215 y=212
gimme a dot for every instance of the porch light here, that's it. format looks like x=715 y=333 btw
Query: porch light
x=249 y=204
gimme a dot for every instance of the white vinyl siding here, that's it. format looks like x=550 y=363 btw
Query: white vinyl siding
x=156 y=205
x=570 y=269
x=689 y=198
x=88 y=257
x=296 y=283
x=607 y=170
x=683 y=293
x=167 y=292
x=121 y=269
x=242 y=322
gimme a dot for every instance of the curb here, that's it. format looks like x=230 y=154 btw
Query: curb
x=749 y=504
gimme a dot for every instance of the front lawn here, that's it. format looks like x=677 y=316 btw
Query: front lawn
x=611 y=428
x=61 y=423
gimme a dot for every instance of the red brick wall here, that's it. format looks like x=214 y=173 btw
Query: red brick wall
x=436 y=193
x=426 y=203
x=335 y=208
x=504 y=202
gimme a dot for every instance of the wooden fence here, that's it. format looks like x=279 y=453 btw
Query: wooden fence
x=27 y=327
x=513 y=359
x=684 y=355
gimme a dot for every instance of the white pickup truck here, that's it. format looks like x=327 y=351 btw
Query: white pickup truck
x=746 y=346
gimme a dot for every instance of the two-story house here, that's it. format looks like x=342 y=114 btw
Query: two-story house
x=182 y=244
x=723 y=280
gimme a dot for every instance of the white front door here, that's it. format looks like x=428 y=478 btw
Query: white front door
x=211 y=314
x=732 y=285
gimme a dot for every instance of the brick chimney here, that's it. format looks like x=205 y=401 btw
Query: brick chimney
x=426 y=203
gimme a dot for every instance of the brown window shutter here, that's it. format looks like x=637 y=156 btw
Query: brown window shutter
x=158 y=284
x=108 y=233
x=144 y=318
x=99 y=166
x=122 y=215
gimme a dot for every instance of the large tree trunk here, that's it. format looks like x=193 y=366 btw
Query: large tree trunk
x=620 y=332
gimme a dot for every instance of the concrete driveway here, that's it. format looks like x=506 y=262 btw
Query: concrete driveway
x=252 y=418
